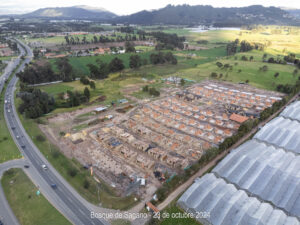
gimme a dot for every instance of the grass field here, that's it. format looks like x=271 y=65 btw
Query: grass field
x=29 y=208
x=79 y=64
x=248 y=71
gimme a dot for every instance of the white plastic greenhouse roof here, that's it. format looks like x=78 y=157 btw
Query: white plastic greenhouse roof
x=227 y=205
x=292 y=111
x=281 y=132
x=267 y=172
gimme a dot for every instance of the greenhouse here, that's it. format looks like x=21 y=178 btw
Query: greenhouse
x=282 y=133
x=292 y=111
x=216 y=202
x=267 y=172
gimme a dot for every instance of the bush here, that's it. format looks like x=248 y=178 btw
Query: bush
x=55 y=154
x=40 y=138
x=154 y=92
x=72 y=172
x=145 y=88
x=86 y=184
x=84 y=80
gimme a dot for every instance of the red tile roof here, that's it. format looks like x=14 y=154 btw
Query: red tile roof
x=238 y=118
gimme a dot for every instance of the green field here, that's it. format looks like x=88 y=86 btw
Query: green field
x=29 y=208
x=245 y=70
x=79 y=64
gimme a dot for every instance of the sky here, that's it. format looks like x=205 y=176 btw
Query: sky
x=125 y=7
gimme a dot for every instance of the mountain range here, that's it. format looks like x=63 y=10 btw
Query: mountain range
x=74 y=12
x=177 y=15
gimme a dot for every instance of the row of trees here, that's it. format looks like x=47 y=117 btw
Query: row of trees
x=76 y=40
x=243 y=46
x=161 y=58
x=168 y=41
x=102 y=69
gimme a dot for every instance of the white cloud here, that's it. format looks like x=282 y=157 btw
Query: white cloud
x=122 y=7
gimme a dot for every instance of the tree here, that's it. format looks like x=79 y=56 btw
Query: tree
x=65 y=69
x=84 y=80
x=86 y=93
x=129 y=47
x=219 y=64
x=92 y=85
x=244 y=58
x=116 y=65
x=251 y=58
x=135 y=61
x=182 y=82
x=145 y=88
x=36 y=53
x=35 y=103
x=265 y=56
x=154 y=92
x=276 y=74
x=295 y=72
x=94 y=70
x=214 y=75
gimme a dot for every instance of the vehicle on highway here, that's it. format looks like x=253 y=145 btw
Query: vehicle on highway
x=26 y=166
x=54 y=186
x=17 y=136
x=44 y=167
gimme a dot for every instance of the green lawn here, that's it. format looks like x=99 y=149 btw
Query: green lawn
x=56 y=89
x=29 y=208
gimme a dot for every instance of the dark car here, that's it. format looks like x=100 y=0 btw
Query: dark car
x=54 y=186
x=26 y=166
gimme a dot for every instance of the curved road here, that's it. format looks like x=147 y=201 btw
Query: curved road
x=64 y=197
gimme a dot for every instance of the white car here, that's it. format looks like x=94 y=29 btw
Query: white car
x=44 y=167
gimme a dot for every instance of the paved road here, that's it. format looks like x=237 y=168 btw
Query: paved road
x=13 y=63
x=6 y=214
x=64 y=197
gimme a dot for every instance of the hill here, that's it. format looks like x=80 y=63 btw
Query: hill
x=194 y=15
x=294 y=12
x=74 y=12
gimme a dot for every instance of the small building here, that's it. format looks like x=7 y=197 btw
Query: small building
x=238 y=118
x=100 y=109
x=151 y=207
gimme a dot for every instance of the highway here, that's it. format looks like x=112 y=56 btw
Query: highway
x=64 y=197
x=9 y=68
